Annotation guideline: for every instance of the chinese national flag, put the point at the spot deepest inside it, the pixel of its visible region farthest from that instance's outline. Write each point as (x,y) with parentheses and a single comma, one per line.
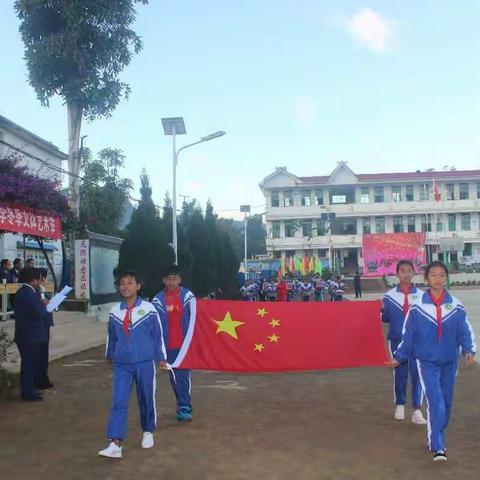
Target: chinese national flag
(268,337)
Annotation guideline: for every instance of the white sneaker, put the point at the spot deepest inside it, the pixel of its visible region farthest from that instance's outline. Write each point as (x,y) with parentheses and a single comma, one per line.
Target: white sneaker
(147,440)
(112,451)
(418,418)
(400,412)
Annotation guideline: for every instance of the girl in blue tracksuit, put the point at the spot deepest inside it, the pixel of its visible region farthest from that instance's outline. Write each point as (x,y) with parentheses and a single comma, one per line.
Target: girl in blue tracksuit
(396,303)
(435,331)
(134,345)
(176,306)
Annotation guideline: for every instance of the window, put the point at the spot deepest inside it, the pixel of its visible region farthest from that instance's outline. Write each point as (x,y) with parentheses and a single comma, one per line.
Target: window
(288,198)
(275,199)
(409,193)
(439,225)
(348,226)
(424,192)
(467,250)
(366,225)
(411,223)
(321,230)
(450,187)
(307,228)
(463,190)
(276,229)
(290,228)
(365,195)
(319,197)
(396,193)
(339,199)
(452,222)
(426,223)
(378,195)
(465,221)
(478,190)
(398,224)
(306,198)
(380,224)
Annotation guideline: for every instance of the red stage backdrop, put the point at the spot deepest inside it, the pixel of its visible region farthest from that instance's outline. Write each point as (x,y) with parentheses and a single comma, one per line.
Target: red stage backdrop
(15,218)
(382,252)
(272,337)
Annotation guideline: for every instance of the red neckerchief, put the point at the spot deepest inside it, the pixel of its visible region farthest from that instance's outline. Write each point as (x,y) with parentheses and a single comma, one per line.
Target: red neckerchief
(127,321)
(438,305)
(405,292)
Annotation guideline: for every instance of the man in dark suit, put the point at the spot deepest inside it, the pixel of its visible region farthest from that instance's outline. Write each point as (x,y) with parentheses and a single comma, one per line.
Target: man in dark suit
(5,267)
(17,268)
(30,332)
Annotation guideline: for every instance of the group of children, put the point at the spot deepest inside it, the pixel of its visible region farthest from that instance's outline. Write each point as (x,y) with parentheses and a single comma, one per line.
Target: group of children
(428,330)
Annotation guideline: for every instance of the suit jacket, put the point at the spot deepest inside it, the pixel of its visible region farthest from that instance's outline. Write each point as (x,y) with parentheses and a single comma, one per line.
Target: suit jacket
(30,317)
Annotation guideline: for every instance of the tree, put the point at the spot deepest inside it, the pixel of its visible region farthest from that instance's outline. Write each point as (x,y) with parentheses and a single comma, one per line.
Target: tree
(76,49)
(103,192)
(146,247)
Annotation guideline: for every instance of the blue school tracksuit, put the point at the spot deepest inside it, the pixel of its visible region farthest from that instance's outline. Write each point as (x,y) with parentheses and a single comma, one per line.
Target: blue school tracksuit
(393,315)
(437,358)
(134,356)
(180,378)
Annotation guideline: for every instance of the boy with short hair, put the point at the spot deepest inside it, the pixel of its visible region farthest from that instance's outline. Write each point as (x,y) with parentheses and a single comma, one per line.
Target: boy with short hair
(396,303)
(176,307)
(134,345)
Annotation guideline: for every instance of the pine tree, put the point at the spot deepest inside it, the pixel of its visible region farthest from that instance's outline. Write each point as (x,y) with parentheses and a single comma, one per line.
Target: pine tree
(146,247)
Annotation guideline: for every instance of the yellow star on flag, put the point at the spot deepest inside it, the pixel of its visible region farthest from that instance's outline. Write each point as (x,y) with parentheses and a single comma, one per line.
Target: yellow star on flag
(274,338)
(258,347)
(262,312)
(274,323)
(228,325)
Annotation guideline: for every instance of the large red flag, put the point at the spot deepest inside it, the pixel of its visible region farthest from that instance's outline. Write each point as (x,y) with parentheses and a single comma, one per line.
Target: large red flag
(267,337)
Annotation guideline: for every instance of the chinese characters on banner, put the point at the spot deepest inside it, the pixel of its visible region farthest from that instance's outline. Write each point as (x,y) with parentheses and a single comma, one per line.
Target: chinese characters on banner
(82,269)
(382,252)
(14,218)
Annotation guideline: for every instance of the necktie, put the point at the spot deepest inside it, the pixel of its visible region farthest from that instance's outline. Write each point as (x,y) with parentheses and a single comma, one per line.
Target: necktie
(406,305)
(127,321)
(438,305)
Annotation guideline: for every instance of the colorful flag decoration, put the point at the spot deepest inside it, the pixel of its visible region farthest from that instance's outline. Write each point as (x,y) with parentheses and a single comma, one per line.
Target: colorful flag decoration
(298,264)
(311,265)
(292,265)
(272,337)
(318,266)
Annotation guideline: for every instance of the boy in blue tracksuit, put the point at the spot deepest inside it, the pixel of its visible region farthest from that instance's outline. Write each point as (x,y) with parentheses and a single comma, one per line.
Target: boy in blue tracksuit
(435,331)
(134,345)
(176,306)
(396,303)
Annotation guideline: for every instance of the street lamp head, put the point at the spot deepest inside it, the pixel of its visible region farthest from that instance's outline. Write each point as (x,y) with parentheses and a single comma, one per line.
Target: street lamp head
(174,124)
(212,136)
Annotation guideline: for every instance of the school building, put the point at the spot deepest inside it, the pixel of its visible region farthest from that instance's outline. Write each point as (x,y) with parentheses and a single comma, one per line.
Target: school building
(327,216)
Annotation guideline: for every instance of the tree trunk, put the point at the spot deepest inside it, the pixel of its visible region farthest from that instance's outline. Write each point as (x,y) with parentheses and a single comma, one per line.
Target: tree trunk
(74,112)
(50,266)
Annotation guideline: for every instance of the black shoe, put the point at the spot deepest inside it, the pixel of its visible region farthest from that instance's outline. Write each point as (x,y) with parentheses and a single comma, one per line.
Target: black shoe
(46,386)
(35,398)
(440,456)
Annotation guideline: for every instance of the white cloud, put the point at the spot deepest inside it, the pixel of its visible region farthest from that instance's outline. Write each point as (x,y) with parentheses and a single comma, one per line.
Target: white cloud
(193,188)
(304,110)
(371,29)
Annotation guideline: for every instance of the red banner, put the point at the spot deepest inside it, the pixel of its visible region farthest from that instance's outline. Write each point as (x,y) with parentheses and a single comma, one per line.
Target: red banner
(30,222)
(267,337)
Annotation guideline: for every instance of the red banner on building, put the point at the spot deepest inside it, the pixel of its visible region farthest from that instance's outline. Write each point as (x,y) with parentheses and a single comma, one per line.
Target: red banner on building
(271,337)
(18,219)
(382,252)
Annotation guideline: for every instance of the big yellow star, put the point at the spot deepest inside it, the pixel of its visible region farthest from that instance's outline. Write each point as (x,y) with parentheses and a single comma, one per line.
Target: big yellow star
(274,323)
(228,325)
(274,338)
(258,347)
(262,312)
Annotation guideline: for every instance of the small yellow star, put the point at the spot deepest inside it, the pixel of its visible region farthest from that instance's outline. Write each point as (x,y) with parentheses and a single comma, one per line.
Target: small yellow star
(228,325)
(262,312)
(274,323)
(274,338)
(258,347)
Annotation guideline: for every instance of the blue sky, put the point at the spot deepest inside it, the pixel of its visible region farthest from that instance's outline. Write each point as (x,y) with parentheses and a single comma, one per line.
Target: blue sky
(384,85)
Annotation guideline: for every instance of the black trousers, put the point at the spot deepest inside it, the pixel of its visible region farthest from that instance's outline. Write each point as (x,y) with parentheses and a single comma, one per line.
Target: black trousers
(42,379)
(358,291)
(30,355)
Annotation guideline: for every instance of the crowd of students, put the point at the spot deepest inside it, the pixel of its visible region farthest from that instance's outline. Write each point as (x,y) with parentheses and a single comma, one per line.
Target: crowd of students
(292,289)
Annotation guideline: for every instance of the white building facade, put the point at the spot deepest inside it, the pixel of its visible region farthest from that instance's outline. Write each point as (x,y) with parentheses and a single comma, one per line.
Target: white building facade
(44,159)
(326,216)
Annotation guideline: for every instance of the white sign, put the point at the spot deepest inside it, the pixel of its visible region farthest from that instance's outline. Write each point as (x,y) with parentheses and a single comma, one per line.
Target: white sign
(82,269)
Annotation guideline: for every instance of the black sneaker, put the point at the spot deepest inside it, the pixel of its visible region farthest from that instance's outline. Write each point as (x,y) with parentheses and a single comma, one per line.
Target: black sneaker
(440,456)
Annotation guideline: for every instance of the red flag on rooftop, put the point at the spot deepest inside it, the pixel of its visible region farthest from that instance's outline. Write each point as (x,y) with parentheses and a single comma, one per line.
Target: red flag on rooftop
(269,337)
